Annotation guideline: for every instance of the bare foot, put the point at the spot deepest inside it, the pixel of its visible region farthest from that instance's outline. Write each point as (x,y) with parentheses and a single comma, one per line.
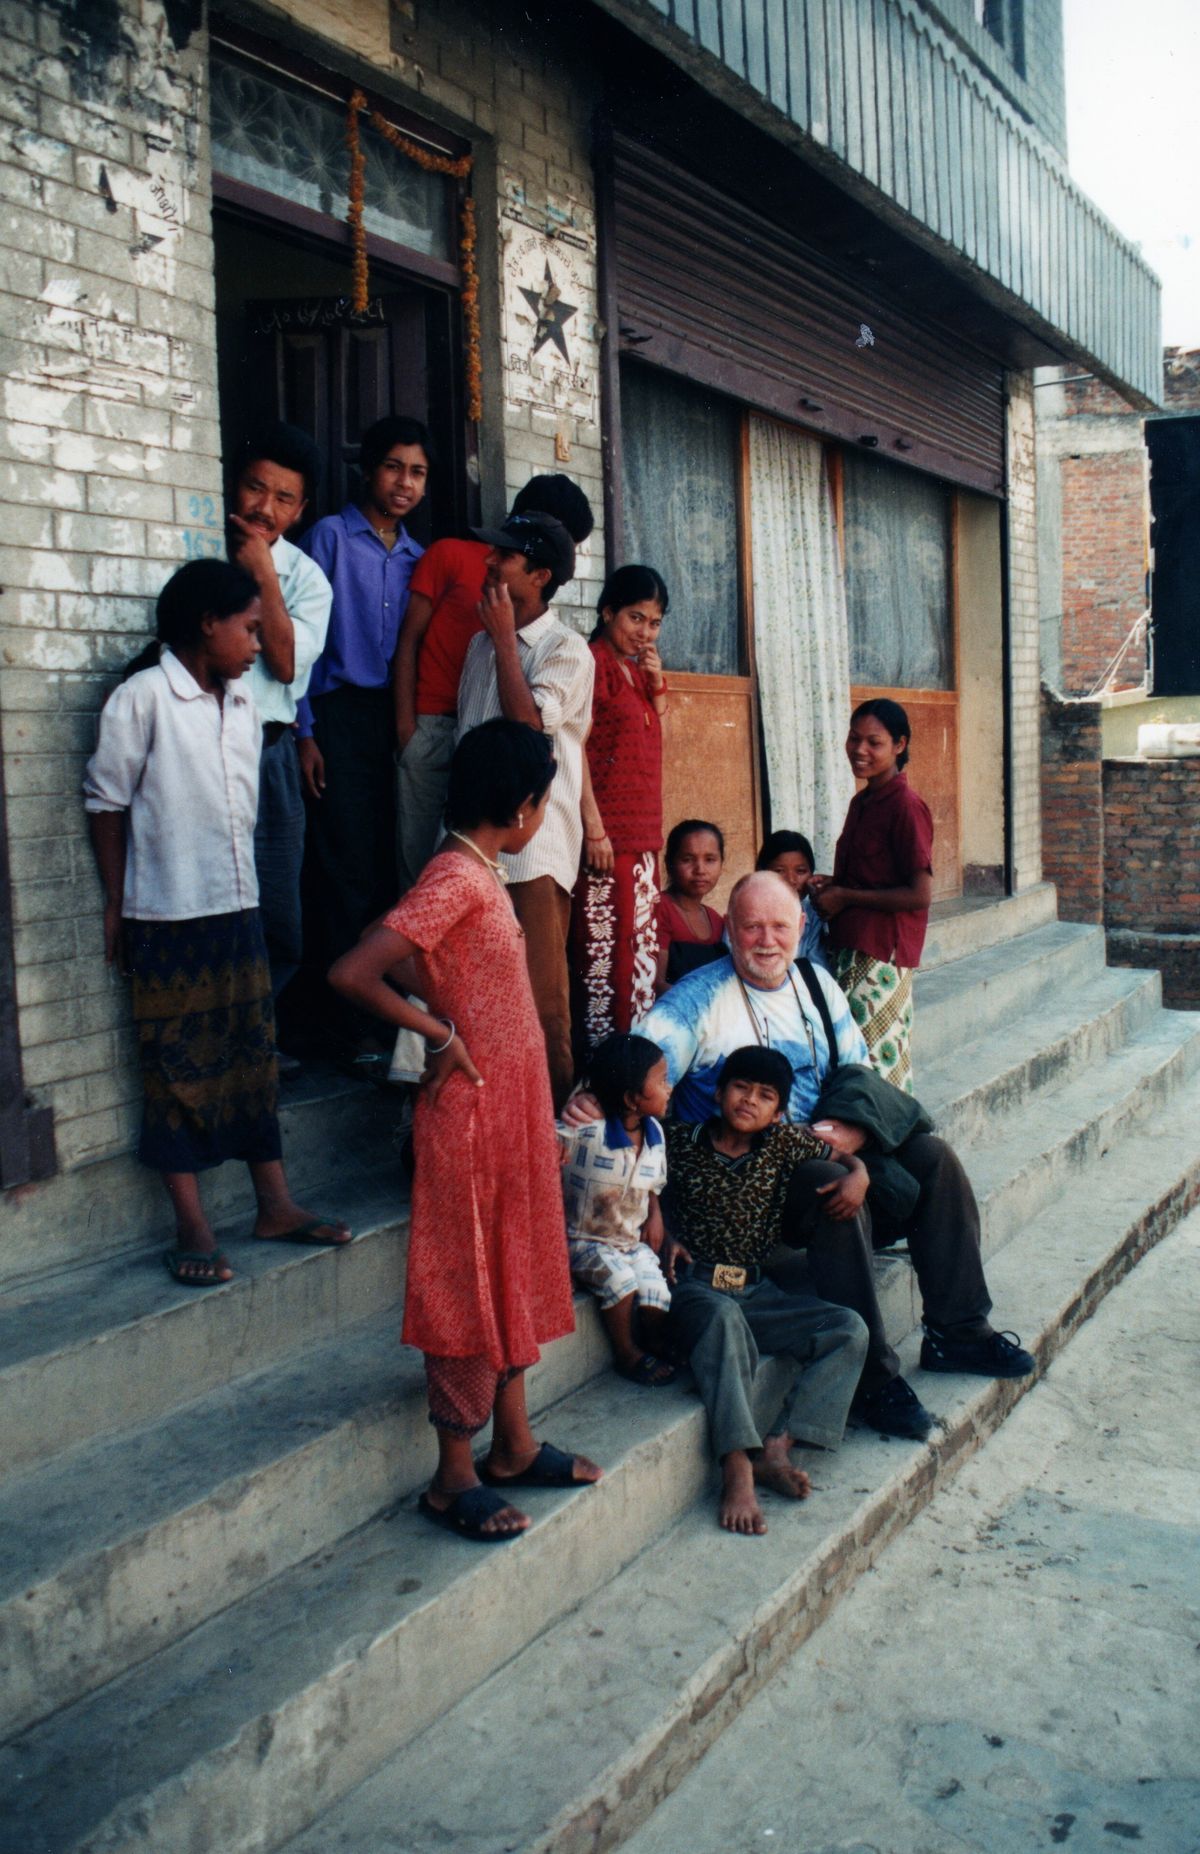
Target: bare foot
(739,1510)
(773,1469)
(290,1222)
(508,1520)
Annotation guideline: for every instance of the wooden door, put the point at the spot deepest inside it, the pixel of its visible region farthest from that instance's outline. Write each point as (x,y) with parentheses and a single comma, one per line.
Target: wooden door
(315,363)
(933,772)
(710,765)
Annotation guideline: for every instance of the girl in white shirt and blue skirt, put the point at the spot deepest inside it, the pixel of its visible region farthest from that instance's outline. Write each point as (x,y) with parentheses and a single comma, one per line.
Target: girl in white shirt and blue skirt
(172,796)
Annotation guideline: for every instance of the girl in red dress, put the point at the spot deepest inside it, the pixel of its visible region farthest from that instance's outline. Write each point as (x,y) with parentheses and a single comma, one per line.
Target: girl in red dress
(877,899)
(488,1281)
(613,942)
(690,933)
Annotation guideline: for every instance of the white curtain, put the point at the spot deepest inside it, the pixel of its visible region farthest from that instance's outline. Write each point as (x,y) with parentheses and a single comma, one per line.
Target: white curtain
(801,640)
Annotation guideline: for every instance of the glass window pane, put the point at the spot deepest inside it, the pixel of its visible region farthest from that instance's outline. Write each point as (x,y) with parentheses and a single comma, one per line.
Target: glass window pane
(680,447)
(291,141)
(897,525)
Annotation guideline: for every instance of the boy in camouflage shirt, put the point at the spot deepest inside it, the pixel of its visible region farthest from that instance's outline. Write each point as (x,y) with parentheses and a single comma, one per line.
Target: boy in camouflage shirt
(727,1181)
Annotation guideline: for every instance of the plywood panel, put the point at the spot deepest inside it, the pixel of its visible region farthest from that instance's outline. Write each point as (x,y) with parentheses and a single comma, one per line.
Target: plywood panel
(933,772)
(710,765)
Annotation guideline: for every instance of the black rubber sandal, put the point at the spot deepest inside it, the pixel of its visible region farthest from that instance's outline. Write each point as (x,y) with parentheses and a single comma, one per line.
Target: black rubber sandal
(467,1514)
(550,1467)
(650,1373)
(212,1260)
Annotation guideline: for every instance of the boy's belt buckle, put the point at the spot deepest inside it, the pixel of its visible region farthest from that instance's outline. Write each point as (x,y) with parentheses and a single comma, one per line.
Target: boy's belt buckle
(727,1278)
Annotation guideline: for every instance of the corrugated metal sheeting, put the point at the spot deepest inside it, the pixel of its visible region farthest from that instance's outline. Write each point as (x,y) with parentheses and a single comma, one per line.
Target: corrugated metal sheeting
(711,290)
(879,86)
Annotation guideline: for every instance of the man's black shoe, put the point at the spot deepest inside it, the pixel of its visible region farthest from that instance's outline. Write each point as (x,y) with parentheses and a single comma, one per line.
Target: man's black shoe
(896,1410)
(999,1355)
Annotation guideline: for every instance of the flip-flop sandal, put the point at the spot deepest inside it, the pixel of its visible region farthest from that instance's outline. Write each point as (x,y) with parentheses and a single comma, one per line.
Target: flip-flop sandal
(550,1467)
(650,1373)
(307,1233)
(467,1514)
(212,1259)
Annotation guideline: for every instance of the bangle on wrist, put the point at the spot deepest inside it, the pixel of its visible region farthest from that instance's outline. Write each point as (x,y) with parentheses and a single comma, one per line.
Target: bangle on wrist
(602,838)
(442,1047)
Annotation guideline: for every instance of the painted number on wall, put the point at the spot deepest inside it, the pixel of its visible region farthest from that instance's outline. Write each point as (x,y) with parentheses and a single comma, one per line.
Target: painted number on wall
(200,542)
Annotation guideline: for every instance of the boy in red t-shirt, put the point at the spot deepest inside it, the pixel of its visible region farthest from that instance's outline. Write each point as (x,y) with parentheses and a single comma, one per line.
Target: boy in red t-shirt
(442,618)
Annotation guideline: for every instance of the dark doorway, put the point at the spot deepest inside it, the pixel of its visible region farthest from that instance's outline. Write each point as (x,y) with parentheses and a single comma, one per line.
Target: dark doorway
(1174,446)
(290,346)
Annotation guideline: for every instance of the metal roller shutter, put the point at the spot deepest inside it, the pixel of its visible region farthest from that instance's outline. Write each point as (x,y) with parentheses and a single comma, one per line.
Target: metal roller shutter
(710,290)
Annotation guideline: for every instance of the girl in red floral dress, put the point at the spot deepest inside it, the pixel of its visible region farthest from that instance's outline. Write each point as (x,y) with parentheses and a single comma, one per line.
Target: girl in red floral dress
(488,1282)
(613,941)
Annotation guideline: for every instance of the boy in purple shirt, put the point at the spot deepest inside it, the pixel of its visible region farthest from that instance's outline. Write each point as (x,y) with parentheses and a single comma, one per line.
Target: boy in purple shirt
(347,726)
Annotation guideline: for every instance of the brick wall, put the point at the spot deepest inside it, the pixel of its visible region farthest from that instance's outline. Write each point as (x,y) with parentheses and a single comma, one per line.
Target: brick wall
(109,431)
(1152,871)
(1073,806)
(110,415)
(1024,667)
(1152,845)
(1104,508)
(1121,841)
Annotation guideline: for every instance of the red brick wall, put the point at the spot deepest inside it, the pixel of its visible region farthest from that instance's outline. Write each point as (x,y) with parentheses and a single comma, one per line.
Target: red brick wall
(1073,806)
(1152,845)
(1103,564)
(1152,871)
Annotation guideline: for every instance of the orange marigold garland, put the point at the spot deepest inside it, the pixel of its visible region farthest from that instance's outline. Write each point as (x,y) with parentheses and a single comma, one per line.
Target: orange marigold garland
(470,309)
(457,168)
(354,212)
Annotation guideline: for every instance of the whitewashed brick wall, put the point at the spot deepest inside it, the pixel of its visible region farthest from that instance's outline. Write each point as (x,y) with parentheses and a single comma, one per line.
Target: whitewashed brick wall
(108,436)
(110,467)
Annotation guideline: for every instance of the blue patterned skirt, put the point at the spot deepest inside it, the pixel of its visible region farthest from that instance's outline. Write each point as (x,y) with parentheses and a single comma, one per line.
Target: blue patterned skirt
(206,1037)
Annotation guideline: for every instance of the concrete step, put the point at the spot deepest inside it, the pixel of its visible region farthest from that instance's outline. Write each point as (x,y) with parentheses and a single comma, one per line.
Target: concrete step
(114,1206)
(572,1745)
(242,1729)
(340,1431)
(107,1346)
(237,1734)
(90,1350)
(118,1547)
(1042,1150)
(990,989)
(958,928)
(969,1089)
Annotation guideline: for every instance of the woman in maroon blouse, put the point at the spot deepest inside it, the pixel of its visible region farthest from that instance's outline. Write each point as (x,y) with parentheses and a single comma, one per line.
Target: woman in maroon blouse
(613,942)
(877,899)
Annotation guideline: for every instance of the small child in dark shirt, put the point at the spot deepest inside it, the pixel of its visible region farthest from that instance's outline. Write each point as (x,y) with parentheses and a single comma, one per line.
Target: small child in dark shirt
(728,1179)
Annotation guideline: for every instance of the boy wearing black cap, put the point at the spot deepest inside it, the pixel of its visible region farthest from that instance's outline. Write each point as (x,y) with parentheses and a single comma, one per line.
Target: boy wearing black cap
(529,667)
(728,1179)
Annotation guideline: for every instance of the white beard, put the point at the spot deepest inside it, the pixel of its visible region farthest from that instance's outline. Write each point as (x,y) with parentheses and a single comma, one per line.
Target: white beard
(769,969)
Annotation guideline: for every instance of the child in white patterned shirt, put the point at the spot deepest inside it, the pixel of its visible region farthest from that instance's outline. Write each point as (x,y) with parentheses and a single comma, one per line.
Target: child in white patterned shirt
(613,1173)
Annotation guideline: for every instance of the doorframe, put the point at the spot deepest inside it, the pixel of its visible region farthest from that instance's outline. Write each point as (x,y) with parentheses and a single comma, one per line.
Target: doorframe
(273,212)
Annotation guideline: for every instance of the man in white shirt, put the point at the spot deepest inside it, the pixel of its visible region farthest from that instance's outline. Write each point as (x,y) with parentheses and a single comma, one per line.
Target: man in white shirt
(275,481)
(529,667)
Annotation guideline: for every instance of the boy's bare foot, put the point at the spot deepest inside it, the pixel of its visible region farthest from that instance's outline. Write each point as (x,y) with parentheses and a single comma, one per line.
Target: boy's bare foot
(739,1510)
(502,1523)
(774,1469)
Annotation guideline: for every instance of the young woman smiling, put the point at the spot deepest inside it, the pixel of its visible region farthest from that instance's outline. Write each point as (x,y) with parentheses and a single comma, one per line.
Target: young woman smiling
(877,899)
(613,942)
